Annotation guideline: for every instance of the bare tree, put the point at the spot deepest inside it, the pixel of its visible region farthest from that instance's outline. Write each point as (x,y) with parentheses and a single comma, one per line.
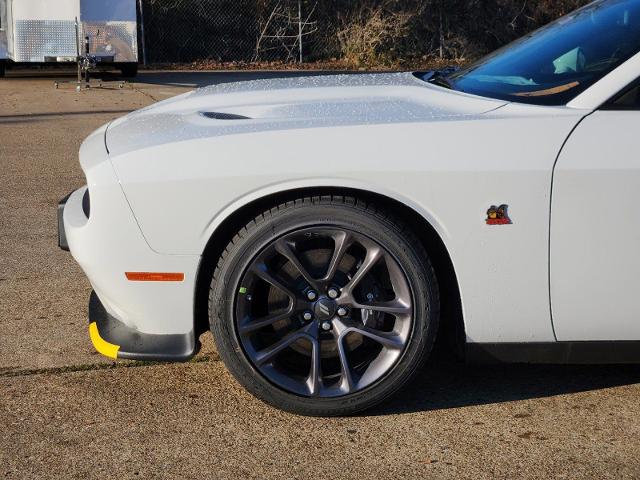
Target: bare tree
(285,29)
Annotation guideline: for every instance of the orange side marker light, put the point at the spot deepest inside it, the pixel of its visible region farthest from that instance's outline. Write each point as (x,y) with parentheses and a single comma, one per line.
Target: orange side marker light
(154,277)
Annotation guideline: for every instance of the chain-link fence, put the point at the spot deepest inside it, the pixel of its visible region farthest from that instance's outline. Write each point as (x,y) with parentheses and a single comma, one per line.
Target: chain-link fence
(360,32)
(230,31)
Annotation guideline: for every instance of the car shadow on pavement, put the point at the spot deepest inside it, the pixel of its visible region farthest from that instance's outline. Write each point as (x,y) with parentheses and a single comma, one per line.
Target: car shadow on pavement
(444,385)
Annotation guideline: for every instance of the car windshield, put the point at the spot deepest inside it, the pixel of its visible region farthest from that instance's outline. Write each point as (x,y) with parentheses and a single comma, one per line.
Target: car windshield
(551,66)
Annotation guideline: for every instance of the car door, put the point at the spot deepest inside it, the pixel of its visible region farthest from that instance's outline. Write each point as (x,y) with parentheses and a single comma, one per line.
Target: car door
(595,226)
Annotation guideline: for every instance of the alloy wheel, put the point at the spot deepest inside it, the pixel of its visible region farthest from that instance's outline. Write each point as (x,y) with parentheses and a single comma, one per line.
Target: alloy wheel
(324,311)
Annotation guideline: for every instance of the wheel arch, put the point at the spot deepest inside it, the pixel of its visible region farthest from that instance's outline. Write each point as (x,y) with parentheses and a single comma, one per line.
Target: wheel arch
(451,337)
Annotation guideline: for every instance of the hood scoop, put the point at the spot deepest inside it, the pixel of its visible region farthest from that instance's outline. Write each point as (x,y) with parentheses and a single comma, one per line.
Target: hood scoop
(224,116)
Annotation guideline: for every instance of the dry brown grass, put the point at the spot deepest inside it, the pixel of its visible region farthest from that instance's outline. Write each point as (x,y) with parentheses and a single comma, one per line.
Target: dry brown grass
(368,37)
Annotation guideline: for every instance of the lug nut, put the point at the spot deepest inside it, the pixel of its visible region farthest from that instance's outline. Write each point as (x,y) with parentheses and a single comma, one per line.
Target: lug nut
(307,316)
(342,311)
(311,295)
(326,326)
(333,292)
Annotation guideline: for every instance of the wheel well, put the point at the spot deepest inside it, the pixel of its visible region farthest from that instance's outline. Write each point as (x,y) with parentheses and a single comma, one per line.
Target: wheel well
(451,336)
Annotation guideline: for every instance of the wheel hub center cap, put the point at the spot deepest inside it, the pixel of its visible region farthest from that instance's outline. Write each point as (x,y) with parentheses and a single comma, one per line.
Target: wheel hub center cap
(325,308)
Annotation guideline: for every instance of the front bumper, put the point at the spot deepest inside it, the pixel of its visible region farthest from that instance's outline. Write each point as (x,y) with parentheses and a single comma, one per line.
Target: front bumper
(106,241)
(128,319)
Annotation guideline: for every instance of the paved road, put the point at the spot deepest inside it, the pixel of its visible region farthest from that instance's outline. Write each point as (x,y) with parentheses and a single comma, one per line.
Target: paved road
(67,412)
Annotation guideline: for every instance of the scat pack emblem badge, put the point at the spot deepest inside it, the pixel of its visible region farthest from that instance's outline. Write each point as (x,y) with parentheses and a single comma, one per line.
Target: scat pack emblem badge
(498,215)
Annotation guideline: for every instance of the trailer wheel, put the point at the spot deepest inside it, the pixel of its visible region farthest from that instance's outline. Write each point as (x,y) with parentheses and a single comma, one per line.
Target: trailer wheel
(129,70)
(3,68)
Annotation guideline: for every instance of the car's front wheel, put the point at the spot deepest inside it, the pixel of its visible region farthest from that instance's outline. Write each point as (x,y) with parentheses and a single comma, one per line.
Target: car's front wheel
(324,306)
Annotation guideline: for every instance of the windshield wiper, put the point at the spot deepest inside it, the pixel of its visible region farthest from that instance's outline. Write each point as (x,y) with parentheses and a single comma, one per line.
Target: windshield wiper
(442,82)
(440,77)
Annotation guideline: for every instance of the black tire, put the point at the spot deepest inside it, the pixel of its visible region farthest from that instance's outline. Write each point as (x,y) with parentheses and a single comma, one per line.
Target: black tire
(129,70)
(3,68)
(324,212)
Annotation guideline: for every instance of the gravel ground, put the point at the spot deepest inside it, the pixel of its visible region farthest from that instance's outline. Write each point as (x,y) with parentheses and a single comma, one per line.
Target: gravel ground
(66,412)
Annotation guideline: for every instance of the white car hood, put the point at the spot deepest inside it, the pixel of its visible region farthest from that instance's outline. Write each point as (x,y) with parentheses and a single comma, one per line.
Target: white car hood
(291,103)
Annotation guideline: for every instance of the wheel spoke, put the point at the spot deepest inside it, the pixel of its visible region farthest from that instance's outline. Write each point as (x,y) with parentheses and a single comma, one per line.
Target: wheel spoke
(398,281)
(374,254)
(314,380)
(386,339)
(342,243)
(394,307)
(266,355)
(251,325)
(262,271)
(286,250)
(346,383)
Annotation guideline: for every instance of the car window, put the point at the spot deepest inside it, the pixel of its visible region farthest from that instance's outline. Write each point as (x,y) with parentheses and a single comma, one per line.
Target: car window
(554,64)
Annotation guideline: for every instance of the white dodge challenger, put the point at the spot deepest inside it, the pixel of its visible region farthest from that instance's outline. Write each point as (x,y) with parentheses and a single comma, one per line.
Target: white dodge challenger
(327,229)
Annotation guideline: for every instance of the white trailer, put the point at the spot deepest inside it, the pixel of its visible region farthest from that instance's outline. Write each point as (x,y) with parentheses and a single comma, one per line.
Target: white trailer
(54,31)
